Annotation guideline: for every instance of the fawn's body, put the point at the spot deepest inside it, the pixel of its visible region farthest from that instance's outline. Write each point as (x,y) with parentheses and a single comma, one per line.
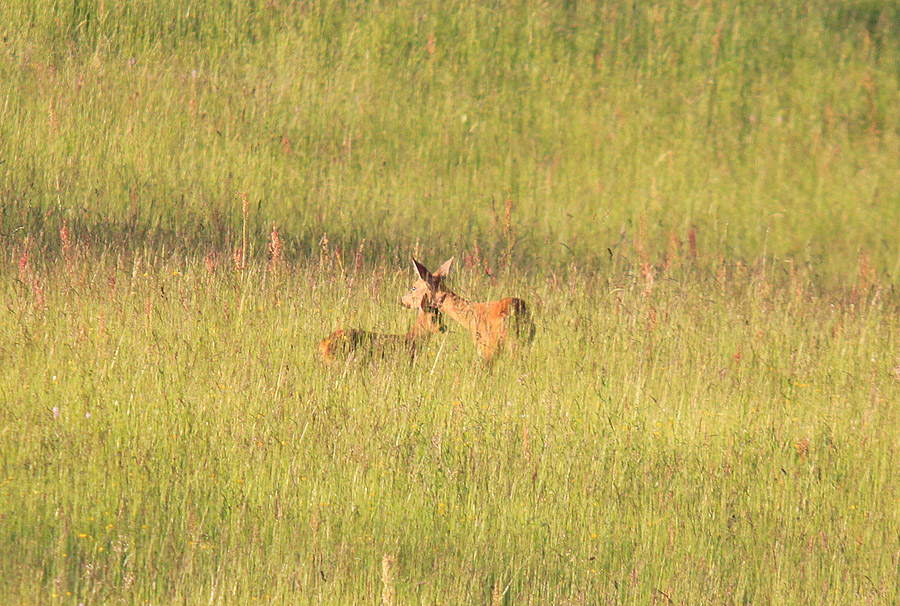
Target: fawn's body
(494,325)
(356,342)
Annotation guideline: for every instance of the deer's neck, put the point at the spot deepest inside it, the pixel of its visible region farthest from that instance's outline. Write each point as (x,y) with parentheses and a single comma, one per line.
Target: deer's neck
(457,308)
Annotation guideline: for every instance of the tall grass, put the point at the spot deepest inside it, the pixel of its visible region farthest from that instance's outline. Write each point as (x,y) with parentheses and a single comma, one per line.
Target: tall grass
(169,437)
(767,126)
(696,199)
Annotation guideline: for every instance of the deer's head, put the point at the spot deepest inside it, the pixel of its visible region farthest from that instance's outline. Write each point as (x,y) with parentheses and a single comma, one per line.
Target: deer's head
(426,291)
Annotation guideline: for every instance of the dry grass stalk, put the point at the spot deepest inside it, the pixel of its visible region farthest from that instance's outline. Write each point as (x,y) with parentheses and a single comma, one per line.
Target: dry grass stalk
(640,240)
(647,273)
(388,580)
(508,230)
(324,251)
(52,118)
(240,255)
(357,262)
(497,594)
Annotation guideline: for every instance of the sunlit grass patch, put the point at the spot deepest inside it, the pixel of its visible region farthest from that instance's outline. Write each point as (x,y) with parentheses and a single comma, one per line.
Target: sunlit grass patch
(697,201)
(185,425)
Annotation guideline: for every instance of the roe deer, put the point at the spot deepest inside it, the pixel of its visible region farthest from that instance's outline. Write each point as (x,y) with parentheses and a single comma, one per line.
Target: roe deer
(354,341)
(491,323)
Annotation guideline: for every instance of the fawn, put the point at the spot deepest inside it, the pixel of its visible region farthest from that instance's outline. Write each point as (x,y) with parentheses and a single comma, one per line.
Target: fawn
(354,341)
(491,323)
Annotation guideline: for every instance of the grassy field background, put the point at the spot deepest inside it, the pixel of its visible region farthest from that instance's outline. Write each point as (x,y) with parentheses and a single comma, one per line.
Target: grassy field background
(698,200)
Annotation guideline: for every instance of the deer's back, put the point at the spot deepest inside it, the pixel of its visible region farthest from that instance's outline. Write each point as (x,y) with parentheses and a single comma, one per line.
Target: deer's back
(499,321)
(353,341)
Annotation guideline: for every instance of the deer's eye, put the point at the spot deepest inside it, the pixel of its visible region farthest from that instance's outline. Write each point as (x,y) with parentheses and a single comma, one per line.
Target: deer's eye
(413,287)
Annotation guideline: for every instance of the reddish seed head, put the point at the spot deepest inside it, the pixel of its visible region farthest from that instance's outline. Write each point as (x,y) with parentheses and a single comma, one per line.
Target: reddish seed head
(275,246)
(64,237)
(23,264)
(238,256)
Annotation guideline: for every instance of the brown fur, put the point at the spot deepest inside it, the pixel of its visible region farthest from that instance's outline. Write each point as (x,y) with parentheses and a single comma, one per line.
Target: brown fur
(356,342)
(494,325)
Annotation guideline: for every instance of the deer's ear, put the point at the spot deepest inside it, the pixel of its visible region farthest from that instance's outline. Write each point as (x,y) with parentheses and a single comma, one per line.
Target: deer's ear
(420,269)
(444,269)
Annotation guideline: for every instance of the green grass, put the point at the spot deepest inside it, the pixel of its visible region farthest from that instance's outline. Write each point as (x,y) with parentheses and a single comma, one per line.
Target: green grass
(698,201)
(767,126)
(731,445)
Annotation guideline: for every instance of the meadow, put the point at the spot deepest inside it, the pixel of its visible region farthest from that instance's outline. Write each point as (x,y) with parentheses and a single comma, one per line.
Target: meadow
(698,200)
